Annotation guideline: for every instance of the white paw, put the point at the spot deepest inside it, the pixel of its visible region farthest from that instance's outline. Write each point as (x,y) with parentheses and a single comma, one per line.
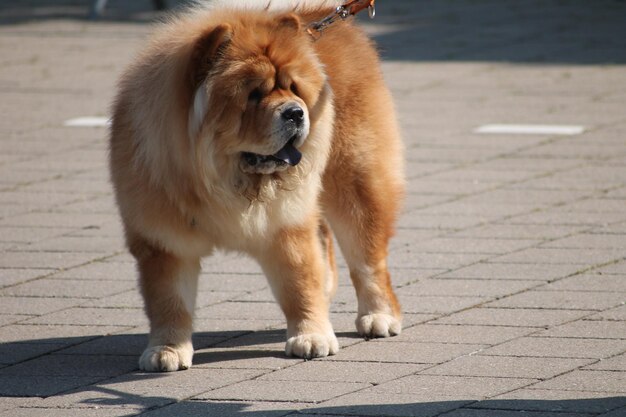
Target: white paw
(165,358)
(312,345)
(378,325)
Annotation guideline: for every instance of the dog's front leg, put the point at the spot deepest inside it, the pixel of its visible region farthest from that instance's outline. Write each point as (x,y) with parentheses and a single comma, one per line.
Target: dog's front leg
(169,286)
(294,265)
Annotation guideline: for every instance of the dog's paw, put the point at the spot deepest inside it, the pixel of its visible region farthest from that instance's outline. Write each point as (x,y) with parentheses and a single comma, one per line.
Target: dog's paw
(165,358)
(378,325)
(312,345)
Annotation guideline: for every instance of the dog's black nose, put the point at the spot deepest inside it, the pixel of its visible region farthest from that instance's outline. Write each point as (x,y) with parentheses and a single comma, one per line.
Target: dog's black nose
(295,114)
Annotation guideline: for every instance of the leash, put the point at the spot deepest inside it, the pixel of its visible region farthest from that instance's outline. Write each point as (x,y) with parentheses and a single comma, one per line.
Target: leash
(348,9)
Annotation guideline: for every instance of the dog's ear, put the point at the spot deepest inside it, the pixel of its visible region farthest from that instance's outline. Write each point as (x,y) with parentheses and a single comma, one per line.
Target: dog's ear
(290,21)
(206,49)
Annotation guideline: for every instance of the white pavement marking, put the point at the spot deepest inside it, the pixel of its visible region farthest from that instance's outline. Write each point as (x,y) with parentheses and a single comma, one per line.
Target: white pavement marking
(531,129)
(89,121)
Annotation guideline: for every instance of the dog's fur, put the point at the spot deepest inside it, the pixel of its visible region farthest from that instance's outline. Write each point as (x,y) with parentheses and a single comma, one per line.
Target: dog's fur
(213,84)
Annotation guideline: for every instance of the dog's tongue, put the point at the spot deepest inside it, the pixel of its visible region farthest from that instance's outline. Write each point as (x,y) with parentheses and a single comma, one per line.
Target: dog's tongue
(289,154)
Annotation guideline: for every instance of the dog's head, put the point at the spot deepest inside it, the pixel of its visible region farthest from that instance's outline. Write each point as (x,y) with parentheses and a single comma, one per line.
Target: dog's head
(256,89)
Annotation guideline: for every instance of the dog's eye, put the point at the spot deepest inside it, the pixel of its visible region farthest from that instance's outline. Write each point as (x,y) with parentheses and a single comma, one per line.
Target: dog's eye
(255,95)
(294,88)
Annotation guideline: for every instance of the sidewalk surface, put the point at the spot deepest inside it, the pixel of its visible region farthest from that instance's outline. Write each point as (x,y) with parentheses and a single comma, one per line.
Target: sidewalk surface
(509,261)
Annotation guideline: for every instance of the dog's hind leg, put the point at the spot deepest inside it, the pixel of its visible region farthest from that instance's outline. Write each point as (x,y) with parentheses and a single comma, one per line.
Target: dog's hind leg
(168,285)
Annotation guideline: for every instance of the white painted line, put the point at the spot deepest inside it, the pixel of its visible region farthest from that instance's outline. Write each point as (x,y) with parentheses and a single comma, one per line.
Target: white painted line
(89,121)
(531,129)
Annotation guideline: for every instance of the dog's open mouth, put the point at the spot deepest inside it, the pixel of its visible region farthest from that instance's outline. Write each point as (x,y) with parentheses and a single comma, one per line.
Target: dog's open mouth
(287,156)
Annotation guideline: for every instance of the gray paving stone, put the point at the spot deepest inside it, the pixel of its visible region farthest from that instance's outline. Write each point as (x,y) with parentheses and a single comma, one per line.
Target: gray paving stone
(32,306)
(506,367)
(54,333)
(227,409)
(554,401)
(68,288)
(562,256)
(468,412)
(45,260)
(374,373)
(436,304)
(617,313)
(47,412)
(368,403)
(558,347)
(467,287)
(42,386)
(436,387)
(598,381)
(403,352)
(467,334)
(299,391)
(589,282)
(93,316)
(616,363)
(588,329)
(526,317)
(514,271)
(73,366)
(575,300)
(101,271)
(11,353)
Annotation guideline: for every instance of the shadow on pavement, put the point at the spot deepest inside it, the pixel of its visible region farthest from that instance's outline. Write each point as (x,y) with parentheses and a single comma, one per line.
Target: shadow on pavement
(537,32)
(102,372)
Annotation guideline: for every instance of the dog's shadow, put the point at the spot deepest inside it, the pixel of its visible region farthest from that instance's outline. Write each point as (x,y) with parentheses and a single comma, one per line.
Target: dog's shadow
(47,367)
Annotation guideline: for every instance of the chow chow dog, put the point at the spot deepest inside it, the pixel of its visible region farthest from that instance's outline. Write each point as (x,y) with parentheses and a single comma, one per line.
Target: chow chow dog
(237,130)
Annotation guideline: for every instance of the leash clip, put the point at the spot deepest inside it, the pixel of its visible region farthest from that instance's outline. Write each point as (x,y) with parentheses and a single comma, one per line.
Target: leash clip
(350,8)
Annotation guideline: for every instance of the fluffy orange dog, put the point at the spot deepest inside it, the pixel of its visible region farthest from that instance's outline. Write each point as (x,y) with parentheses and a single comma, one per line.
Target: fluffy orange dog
(236,130)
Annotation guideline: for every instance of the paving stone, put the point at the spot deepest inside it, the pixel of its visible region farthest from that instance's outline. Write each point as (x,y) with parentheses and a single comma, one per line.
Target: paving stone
(514,231)
(514,271)
(404,352)
(73,366)
(616,363)
(589,282)
(562,256)
(47,412)
(588,329)
(226,409)
(68,288)
(437,304)
(598,381)
(467,334)
(101,271)
(435,387)
(553,401)
(368,403)
(54,333)
(617,313)
(11,353)
(467,287)
(526,317)
(42,386)
(241,310)
(93,316)
(506,367)
(45,260)
(506,413)
(575,300)
(374,373)
(300,391)
(34,306)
